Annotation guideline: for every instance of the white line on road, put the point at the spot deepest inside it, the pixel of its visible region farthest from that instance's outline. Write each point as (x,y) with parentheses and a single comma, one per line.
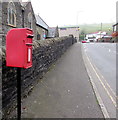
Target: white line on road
(102,106)
(107,84)
(113,101)
(96,70)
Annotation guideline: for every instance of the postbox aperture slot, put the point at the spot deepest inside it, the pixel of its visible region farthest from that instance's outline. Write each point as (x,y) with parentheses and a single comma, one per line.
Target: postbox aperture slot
(30,36)
(29,44)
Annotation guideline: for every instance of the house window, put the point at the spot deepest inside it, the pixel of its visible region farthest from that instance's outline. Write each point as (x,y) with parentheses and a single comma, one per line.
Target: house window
(38,36)
(11,14)
(30,20)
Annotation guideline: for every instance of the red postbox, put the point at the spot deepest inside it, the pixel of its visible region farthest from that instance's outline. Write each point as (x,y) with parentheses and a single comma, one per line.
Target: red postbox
(19,48)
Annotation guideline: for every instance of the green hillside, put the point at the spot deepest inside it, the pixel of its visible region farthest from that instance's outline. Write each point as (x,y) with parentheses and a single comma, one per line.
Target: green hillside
(89,28)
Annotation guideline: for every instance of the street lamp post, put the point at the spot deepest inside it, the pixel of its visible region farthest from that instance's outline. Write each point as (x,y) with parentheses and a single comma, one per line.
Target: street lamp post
(78,12)
(78,34)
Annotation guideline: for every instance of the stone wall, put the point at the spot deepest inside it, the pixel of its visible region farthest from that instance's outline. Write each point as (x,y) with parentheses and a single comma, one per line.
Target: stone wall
(45,53)
(0,59)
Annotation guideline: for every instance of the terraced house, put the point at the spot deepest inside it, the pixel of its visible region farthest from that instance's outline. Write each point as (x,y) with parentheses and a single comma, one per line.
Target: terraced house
(17,14)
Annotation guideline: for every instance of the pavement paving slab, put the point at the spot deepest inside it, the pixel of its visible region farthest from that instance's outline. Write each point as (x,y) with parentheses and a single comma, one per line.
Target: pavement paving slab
(64,92)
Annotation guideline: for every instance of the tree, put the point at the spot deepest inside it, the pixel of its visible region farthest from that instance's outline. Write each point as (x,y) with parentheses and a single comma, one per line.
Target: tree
(82,35)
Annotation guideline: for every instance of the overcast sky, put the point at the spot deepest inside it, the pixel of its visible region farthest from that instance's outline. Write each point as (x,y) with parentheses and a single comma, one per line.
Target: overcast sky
(73,12)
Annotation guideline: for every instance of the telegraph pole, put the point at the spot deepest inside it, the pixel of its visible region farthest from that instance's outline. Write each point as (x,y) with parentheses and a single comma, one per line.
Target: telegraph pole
(100,31)
(101,27)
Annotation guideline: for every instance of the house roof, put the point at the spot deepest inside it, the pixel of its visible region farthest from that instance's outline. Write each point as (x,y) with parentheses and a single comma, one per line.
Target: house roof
(98,33)
(40,22)
(69,27)
(94,33)
(115,24)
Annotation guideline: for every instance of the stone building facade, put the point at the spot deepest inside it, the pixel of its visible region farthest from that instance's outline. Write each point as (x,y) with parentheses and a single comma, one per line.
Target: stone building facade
(17,14)
(29,20)
(42,28)
(10,18)
(41,33)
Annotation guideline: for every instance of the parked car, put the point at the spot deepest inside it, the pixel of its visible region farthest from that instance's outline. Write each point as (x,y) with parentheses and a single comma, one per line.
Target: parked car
(83,41)
(91,40)
(88,41)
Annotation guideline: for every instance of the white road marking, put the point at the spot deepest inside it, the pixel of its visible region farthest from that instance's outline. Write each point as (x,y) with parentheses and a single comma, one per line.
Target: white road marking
(106,81)
(103,108)
(107,84)
(113,101)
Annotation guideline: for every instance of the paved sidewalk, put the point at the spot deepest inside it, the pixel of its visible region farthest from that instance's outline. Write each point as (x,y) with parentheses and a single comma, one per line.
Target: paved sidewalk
(64,92)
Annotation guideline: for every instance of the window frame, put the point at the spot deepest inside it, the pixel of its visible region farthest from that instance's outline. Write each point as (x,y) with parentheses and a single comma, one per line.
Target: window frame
(30,20)
(11,14)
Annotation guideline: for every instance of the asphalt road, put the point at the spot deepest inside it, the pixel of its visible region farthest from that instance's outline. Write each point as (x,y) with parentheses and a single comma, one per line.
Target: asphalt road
(103,55)
(64,92)
(102,60)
